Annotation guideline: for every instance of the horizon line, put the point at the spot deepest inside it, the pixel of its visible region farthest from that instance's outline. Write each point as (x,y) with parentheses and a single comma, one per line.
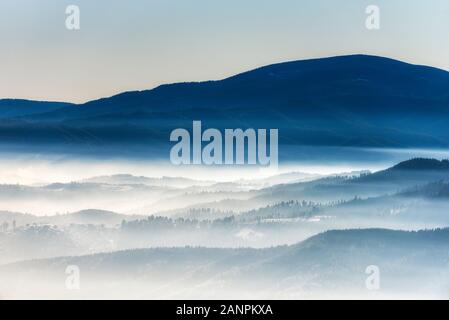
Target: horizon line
(222,79)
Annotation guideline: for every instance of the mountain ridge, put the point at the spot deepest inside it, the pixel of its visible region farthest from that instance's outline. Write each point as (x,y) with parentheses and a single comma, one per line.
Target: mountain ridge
(352,101)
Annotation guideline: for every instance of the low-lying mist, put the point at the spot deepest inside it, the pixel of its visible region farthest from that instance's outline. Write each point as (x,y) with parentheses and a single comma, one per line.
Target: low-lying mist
(156,231)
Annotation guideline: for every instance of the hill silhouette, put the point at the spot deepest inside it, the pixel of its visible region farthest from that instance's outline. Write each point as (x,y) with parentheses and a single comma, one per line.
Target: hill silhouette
(355,100)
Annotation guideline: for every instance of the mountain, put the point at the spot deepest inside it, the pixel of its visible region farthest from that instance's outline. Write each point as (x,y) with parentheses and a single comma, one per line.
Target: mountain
(400,177)
(434,190)
(90,216)
(10,108)
(355,100)
(414,171)
(329,264)
(87,217)
(422,164)
(127,179)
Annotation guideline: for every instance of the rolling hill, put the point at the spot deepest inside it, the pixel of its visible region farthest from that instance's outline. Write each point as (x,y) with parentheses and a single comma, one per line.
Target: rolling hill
(329,264)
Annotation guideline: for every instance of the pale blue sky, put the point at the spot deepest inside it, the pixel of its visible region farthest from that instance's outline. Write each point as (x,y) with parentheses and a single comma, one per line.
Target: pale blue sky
(137,44)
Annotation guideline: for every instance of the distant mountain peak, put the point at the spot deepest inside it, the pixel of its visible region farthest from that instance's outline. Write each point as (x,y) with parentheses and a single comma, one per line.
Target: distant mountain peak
(422,164)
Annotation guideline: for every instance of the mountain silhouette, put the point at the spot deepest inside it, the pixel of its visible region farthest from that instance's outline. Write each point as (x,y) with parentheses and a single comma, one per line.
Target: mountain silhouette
(333,262)
(415,171)
(17,107)
(422,164)
(355,100)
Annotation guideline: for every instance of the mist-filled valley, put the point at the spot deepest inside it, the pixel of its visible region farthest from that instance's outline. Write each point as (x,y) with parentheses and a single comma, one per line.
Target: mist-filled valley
(287,235)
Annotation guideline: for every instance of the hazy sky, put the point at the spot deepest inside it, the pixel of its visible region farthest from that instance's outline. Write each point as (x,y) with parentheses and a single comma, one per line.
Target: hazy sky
(137,44)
